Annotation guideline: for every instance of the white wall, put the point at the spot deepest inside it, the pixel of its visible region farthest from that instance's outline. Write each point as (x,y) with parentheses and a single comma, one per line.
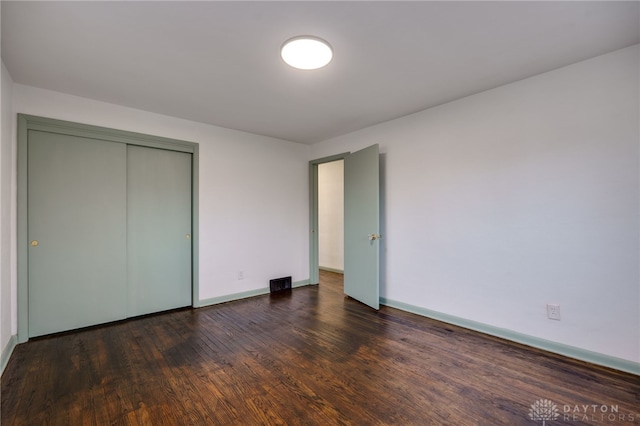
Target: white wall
(253,190)
(528,194)
(331,215)
(7,308)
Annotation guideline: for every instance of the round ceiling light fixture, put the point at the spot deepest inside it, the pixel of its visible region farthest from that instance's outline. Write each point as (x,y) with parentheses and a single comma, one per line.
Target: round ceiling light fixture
(306,52)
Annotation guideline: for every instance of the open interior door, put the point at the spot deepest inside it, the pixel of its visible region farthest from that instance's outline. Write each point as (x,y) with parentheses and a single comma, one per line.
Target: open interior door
(362,226)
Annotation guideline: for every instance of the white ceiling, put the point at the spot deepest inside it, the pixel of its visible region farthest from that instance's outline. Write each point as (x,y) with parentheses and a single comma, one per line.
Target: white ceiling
(218,62)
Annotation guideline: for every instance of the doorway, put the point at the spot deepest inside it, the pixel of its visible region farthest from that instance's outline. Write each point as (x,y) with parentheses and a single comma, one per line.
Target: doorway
(314,244)
(361,214)
(331,216)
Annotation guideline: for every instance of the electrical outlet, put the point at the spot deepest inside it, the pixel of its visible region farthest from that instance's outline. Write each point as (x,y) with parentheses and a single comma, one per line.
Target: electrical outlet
(553,312)
(241,275)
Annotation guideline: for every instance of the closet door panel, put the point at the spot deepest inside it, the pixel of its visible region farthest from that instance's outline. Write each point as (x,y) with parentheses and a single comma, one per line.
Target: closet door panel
(77,232)
(158,229)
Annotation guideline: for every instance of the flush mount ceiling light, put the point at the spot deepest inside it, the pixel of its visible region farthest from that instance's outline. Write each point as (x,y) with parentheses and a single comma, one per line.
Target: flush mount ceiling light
(306,52)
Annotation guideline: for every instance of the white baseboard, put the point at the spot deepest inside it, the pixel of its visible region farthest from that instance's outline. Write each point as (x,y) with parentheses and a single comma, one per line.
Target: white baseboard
(326,268)
(7,351)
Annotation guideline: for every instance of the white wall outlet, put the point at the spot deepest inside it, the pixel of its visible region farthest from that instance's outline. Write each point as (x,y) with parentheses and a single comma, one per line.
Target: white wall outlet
(241,275)
(553,312)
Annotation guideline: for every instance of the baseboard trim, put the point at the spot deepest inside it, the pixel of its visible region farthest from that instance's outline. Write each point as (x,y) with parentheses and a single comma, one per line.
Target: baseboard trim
(536,342)
(7,351)
(300,283)
(326,268)
(244,295)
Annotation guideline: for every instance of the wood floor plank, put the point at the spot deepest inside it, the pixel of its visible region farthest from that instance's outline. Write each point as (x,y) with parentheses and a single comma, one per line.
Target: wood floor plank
(310,356)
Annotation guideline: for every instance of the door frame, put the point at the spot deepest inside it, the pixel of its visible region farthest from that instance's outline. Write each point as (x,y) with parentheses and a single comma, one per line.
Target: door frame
(29,122)
(314,261)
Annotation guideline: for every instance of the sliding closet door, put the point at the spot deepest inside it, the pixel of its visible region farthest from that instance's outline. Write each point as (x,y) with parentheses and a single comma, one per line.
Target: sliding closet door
(159,229)
(77,232)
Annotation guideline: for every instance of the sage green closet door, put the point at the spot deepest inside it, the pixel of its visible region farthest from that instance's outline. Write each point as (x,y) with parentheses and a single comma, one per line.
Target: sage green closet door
(77,232)
(158,229)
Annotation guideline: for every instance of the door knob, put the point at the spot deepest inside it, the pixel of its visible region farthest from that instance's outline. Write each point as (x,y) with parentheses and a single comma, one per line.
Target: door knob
(34,243)
(374,237)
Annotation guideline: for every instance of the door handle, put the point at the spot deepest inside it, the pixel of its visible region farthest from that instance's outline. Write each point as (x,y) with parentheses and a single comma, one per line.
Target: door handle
(34,243)
(374,237)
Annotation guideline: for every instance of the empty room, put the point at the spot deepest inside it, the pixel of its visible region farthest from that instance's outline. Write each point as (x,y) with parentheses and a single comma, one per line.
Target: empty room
(320,212)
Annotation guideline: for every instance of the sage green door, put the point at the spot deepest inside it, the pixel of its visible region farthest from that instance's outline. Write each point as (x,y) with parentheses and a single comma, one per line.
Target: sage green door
(159,229)
(77,211)
(362,226)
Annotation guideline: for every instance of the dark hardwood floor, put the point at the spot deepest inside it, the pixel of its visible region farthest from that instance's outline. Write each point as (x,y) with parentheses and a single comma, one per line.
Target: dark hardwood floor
(308,357)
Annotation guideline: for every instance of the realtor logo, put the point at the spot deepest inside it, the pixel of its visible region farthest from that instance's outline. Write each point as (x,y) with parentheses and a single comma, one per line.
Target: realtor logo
(543,409)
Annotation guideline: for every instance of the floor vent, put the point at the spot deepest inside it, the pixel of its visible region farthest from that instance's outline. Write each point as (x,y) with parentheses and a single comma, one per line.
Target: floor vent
(280,284)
